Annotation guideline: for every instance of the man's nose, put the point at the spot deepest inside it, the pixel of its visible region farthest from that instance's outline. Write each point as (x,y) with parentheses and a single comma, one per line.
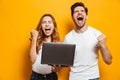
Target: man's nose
(79,13)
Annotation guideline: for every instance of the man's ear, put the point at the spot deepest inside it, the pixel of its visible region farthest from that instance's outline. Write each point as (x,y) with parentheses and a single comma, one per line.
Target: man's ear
(87,17)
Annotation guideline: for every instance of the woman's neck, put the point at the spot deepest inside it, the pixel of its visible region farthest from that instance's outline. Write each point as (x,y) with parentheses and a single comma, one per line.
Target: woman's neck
(48,39)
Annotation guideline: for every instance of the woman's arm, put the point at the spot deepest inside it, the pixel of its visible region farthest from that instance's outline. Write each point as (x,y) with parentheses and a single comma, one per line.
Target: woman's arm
(33,53)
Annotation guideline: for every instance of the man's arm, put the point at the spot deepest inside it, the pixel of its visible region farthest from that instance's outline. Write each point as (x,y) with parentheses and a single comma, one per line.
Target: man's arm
(107,57)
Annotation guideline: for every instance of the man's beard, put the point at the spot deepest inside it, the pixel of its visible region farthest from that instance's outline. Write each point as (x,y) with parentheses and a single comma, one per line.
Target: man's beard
(79,26)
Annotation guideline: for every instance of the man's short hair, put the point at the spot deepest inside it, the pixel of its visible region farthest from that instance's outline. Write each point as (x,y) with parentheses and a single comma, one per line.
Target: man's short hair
(76,5)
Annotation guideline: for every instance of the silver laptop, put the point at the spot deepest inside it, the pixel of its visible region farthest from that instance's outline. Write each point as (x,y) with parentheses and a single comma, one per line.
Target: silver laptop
(58,54)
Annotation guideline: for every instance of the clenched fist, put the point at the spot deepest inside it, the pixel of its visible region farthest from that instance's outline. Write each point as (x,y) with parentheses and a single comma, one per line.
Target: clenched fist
(34,34)
(102,40)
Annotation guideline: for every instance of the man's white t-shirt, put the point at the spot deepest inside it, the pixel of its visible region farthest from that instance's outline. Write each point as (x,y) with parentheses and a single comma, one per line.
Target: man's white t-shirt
(86,58)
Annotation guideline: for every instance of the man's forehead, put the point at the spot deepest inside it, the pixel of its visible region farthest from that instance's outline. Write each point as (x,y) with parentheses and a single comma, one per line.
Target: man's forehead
(79,8)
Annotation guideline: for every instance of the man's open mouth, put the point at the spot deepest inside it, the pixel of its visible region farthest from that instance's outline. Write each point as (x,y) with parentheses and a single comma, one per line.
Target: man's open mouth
(80,18)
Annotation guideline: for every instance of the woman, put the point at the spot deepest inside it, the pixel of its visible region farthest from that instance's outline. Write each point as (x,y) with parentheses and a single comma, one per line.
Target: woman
(46,32)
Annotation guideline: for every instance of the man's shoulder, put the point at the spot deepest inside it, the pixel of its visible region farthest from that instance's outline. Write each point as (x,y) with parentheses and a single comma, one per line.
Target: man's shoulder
(93,28)
(69,36)
(95,31)
(70,33)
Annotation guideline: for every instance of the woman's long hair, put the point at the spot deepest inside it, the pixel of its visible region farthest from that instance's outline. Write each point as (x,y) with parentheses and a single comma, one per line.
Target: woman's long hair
(41,35)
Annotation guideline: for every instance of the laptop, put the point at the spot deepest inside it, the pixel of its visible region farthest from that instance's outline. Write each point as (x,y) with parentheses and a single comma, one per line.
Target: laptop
(58,54)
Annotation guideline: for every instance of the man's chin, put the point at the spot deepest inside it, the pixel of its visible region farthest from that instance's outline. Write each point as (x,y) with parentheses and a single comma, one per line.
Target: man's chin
(80,26)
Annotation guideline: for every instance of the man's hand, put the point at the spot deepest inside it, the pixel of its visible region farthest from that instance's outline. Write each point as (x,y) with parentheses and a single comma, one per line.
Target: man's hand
(102,40)
(56,68)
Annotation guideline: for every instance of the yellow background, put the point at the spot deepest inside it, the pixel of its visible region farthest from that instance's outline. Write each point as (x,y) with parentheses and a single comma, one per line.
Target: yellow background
(18,17)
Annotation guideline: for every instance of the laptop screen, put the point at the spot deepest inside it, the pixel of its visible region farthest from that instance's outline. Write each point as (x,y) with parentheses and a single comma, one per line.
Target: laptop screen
(58,54)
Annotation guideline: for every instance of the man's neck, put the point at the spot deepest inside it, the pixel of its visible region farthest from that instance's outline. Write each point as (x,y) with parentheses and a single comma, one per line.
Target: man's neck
(81,30)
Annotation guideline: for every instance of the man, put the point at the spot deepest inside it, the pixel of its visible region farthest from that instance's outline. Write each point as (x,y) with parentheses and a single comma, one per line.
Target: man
(88,41)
